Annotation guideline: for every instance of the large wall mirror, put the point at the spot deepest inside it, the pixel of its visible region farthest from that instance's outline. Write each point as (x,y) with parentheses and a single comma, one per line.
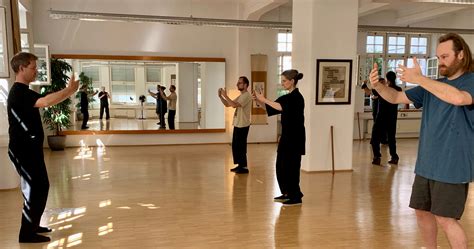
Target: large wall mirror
(127,78)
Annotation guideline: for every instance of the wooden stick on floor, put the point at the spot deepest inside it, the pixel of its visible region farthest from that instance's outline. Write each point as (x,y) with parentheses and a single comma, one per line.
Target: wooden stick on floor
(358,125)
(332,148)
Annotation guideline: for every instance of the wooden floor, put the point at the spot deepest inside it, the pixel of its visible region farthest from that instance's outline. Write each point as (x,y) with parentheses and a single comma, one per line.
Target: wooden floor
(113,124)
(185,197)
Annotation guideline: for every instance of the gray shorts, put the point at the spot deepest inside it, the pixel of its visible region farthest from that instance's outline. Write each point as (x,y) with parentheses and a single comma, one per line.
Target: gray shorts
(439,198)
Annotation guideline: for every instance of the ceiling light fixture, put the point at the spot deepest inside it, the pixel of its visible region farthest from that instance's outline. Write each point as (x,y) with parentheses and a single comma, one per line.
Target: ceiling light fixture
(175,20)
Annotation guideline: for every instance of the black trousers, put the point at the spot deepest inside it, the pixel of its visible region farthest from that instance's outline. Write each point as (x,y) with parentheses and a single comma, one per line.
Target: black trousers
(171,115)
(106,108)
(85,118)
(239,145)
(30,165)
(288,166)
(162,119)
(379,130)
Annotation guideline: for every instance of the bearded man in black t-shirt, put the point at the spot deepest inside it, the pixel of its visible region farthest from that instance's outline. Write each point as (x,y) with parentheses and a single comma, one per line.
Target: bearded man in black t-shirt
(26,142)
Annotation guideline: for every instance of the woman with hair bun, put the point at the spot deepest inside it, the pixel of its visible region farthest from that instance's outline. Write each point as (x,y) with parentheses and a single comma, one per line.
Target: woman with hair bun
(292,141)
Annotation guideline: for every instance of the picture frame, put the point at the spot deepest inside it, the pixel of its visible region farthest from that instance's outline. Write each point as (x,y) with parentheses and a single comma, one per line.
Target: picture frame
(333,81)
(4,64)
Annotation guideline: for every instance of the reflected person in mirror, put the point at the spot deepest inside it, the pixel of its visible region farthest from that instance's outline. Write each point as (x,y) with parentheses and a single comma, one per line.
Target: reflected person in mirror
(25,147)
(85,95)
(161,106)
(445,163)
(293,137)
(242,105)
(104,103)
(172,99)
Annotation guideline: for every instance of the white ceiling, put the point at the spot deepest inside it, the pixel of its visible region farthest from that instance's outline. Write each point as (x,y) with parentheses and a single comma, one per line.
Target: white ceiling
(404,12)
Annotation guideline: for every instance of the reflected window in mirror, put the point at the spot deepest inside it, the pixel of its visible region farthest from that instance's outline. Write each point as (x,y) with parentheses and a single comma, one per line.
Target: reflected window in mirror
(197,105)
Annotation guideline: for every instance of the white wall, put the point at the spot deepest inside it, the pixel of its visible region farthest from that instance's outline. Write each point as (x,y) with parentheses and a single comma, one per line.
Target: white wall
(70,36)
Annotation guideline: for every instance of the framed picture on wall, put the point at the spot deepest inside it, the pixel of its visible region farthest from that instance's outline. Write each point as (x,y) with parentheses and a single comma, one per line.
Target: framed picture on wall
(4,68)
(333,82)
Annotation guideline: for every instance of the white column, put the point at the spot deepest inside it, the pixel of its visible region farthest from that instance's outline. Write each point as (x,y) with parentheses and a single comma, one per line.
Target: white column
(325,29)
(187,92)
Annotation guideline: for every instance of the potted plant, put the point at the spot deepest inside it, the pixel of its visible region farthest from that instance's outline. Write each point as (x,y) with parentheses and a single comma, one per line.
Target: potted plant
(85,80)
(57,117)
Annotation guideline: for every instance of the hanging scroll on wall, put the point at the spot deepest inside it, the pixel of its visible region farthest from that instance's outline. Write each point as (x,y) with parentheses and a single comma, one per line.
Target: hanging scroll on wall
(258,64)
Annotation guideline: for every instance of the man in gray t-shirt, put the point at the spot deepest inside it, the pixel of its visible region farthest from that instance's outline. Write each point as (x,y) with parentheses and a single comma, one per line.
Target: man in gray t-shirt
(445,162)
(243,106)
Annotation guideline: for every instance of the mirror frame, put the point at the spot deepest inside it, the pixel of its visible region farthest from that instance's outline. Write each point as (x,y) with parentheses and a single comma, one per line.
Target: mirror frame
(138,58)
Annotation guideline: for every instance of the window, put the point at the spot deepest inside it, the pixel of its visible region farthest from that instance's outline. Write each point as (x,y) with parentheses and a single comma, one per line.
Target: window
(422,63)
(93,72)
(396,44)
(399,49)
(153,74)
(374,44)
(419,45)
(392,65)
(284,63)
(123,84)
(25,44)
(284,42)
(432,68)
(123,93)
(123,73)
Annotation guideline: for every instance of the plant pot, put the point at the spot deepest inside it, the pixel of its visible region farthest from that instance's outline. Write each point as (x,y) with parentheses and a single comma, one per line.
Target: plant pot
(57,142)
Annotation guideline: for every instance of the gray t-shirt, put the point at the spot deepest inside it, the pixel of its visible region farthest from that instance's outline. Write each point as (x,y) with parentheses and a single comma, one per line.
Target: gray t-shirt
(446,145)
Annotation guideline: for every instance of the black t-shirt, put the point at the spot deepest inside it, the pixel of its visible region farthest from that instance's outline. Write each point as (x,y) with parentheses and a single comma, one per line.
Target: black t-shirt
(25,128)
(386,110)
(104,101)
(293,135)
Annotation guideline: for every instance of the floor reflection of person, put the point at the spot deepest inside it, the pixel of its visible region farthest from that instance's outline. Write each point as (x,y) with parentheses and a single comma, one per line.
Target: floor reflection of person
(25,147)
(292,141)
(287,227)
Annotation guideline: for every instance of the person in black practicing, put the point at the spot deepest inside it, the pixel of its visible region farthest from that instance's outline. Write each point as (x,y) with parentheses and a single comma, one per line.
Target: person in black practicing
(161,105)
(25,147)
(386,125)
(104,103)
(292,142)
(85,105)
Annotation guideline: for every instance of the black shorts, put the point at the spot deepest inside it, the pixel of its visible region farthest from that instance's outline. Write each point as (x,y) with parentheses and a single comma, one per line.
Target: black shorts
(439,198)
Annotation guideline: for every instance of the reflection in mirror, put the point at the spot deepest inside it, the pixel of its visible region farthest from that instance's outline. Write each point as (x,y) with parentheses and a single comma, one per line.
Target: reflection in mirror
(134,100)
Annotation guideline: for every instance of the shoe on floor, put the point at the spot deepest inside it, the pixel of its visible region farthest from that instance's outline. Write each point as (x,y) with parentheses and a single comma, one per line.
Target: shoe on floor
(84,127)
(292,202)
(281,198)
(393,161)
(44,230)
(376,161)
(234,169)
(242,170)
(33,238)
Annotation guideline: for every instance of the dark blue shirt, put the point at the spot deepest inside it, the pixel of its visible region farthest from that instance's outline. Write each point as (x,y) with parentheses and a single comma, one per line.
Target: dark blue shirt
(446,146)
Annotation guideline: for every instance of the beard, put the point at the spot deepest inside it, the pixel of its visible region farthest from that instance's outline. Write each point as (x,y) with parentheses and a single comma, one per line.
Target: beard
(451,70)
